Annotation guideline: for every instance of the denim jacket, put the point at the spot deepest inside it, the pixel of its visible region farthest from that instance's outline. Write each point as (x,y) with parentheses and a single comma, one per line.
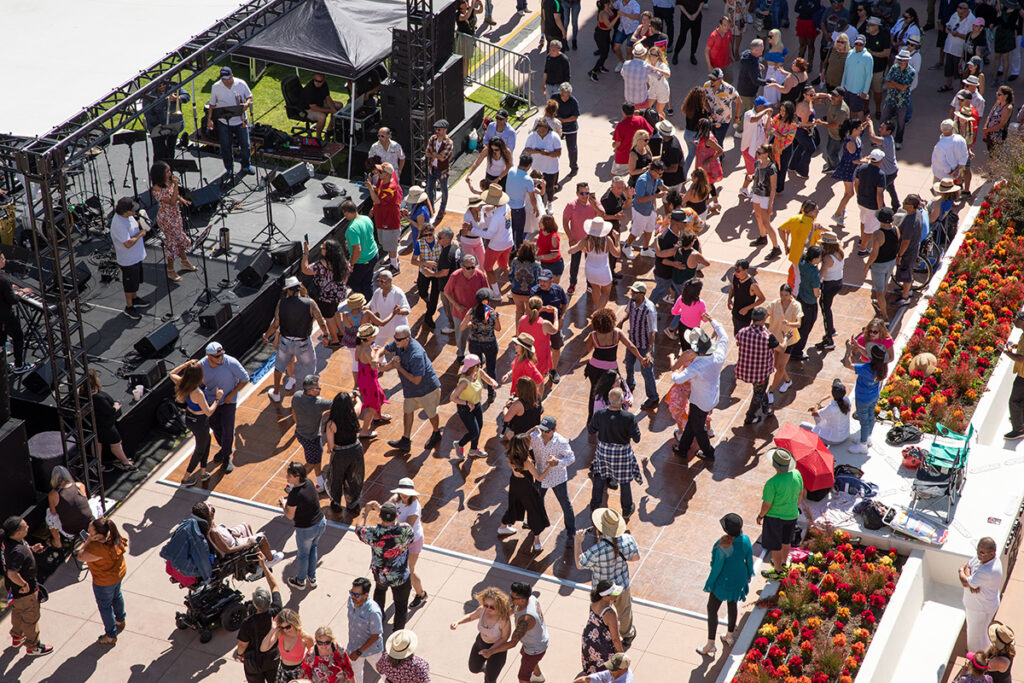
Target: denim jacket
(188,551)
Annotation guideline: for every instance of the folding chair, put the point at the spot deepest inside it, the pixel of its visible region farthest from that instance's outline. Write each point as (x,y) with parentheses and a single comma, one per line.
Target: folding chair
(941,477)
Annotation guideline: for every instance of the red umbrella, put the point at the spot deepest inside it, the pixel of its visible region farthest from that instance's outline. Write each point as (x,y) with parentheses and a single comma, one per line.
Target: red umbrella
(813,458)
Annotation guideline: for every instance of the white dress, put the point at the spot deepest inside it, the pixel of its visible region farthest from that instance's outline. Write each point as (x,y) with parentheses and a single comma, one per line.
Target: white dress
(597,268)
(657,84)
(532,226)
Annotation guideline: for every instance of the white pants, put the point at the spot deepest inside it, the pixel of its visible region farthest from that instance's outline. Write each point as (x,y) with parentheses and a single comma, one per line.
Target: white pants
(1015,60)
(365,668)
(978,622)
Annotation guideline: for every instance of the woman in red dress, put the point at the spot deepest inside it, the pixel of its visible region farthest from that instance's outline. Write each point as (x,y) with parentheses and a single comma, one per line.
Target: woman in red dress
(168,217)
(540,329)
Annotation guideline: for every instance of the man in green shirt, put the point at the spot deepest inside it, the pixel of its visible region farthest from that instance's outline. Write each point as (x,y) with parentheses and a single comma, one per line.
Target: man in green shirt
(780,507)
(362,248)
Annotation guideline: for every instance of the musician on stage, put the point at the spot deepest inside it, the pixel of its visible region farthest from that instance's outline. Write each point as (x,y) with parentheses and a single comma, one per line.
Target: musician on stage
(165,121)
(168,217)
(10,326)
(127,236)
(317,95)
(229,92)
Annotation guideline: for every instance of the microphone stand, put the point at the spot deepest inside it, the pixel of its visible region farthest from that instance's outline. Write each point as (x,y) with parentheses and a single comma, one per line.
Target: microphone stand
(167,317)
(224,246)
(199,245)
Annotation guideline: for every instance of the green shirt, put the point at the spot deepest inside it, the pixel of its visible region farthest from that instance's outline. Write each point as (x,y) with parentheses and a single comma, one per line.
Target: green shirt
(783,492)
(360,231)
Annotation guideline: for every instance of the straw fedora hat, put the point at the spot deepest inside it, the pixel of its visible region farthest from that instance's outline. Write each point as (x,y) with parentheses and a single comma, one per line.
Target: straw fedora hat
(367,330)
(415,195)
(402,644)
(357,300)
(925,363)
(829,237)
(782,459)
(945,185)
(494,196)
(1000,634)
(609,522)
(406,488)
(524,339)
(597,227)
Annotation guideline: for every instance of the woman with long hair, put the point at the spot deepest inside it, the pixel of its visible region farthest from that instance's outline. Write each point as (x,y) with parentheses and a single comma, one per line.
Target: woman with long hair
(695,107)
(833,261)
(105,414)
(698,192)
(596,247)
(732,567)
(524,363)
(540,329)
(68,512)
(369,359)
(330,272)
(708,157)
(905,28)
(782,130)
(687,311)
(834,64)
(164,187)
(602,347)
(658,89)
(850,131)
(468,399)
(327,661)
(606,19)
(549,251)
(804,144)
(784,316)
(601,638)
(499,162)
(832,421)
(483,323)
(875,333)
(640,156)
(292,643)
(493,617)
(523,410)
(104,552)
(870,376)
(524,498)
(998,120)
(524,272)
(346,468)
(188,380)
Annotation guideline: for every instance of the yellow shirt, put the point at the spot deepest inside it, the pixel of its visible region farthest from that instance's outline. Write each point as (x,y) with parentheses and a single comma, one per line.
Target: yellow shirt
(799,228)
(1018,367)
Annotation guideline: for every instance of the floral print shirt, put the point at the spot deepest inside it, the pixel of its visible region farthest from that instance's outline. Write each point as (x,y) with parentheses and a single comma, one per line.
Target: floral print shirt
(390,547)
(722,100)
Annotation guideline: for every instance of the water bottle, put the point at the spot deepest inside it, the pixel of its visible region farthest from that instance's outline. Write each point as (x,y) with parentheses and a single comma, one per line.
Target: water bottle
(474,139)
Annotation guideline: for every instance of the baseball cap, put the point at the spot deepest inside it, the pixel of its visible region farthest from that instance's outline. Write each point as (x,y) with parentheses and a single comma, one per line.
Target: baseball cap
(885,215)
(213,348)
(716,74)
(502,114)
(876,155)
(875,21)
(760,101)
(548,424)
(226,72)
(545,274)
(638,287)
(838,91)
(859,40)
(388,512)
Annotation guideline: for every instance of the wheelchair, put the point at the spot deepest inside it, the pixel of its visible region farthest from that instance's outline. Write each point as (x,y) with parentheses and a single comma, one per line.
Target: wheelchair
(217,603)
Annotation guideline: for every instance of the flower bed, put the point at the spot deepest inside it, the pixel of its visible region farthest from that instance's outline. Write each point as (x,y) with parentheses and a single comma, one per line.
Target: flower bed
(819,625)
(967,319)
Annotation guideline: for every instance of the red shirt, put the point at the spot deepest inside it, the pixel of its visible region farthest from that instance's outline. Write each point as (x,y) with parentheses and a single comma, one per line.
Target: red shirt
(720,49)
(624,131)
(463,290)
(547,247)
(387,214)
(576,212)
(525,368)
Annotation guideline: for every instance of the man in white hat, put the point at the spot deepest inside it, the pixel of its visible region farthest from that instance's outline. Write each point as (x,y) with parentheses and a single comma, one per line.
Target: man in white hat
(898,84)
(634,77)
(950,154)
(400,662)
(389,300)
(293,319)
(224,372)
(554,454)
(780,507)
(869,184)
(971,84)
(616,670)
(608,559)
(643,327)
(703,373)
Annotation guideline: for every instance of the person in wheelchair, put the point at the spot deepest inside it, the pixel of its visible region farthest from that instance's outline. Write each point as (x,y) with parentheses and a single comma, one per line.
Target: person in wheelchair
(225,540)
(68,513)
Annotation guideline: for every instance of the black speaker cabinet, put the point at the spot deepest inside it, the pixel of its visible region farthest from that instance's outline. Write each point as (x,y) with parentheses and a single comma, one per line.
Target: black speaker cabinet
(148,374)
(40,379)
(332,212)
(255,273)
(448,99)
(214,316)
(292,180)
(17,486)
(158,342)
(287,255)
(82,273)
(204,198)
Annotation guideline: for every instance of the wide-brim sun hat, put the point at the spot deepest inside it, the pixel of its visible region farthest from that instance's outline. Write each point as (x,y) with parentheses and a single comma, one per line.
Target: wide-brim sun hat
(524,339)
(945,185)
(1000,634)
(357,300)
(597,227)
(494,196)
(401,644)
(367,330)
(415,195)
(609,522)
(406,488)
(698,340)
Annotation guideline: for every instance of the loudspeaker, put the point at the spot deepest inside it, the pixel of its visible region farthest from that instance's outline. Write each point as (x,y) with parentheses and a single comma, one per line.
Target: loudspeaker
(214,316)
(82,273)
(204,197)
(40,379)
(255,273)
(332,212)
(17,486)
(448,99)
(287,255)
(148,374)
(158,342)
(292,180)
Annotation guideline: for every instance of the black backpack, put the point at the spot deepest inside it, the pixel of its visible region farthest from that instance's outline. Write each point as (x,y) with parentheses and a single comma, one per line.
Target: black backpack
(169,420)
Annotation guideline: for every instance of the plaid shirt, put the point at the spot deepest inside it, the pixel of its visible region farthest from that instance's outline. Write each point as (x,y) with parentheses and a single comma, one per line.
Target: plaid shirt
(634,76)
(756,358)
(604,559)
(442,147)
(616,461)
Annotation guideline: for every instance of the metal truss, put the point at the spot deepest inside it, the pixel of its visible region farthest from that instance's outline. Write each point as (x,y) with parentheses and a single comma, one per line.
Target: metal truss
(422,45)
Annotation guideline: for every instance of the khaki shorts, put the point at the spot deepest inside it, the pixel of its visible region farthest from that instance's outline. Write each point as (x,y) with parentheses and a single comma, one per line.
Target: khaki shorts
(427,404)
(878,82)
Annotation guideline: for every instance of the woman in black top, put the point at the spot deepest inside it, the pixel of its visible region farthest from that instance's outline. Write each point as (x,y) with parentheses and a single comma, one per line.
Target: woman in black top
(522,412)
(524,496)
(346,470)
(302,506)
(105,411)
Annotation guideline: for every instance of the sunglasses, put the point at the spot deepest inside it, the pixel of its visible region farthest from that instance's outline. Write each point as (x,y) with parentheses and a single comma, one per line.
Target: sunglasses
(469,267)
(285,627)
(489,606)
(356,594)
(325,643)
(398,339)
(218,355)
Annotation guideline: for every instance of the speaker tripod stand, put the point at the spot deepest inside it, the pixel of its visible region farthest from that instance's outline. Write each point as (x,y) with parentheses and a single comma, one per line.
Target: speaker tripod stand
(270,230)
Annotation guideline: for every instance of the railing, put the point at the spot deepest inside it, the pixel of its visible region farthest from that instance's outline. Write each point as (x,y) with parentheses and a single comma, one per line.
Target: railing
(495,68)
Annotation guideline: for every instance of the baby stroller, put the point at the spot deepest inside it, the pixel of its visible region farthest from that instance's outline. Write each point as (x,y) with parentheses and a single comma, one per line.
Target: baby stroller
(211,600)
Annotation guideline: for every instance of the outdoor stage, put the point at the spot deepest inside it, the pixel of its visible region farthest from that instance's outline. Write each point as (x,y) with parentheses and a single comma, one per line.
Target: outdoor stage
(110,336)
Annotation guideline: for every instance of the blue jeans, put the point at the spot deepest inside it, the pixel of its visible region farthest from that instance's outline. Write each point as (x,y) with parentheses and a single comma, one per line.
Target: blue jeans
(650,385)
(865,414)
(625,495)
(571,11)
(306,540)
(222,422)
(435,179)
(225,136)
(473,419)
(779,12)
(562,496)
(662,286)
(111,604)
(690,138)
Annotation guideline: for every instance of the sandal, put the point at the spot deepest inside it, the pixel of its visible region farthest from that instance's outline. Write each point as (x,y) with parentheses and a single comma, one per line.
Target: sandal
(382,420)
(704,652)
(172,276)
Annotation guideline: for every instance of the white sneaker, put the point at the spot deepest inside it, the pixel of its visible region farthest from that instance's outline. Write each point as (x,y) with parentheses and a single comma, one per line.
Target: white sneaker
(838,219)
(448,330)
(648,252)
(497,291)
(859,448)
(771,398)
(618,67)
(745,191)
(737,133)
(274,396)
(538,546)
(276,557)
(627,252)
(786,385)
(290,384)
(505,530)
(537,679)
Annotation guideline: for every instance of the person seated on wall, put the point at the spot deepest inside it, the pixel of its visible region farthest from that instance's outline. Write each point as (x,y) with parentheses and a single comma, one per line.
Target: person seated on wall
(227,540)
(317,95)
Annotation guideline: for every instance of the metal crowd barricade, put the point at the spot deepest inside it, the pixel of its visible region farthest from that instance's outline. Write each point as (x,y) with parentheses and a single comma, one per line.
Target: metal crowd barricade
(496,68)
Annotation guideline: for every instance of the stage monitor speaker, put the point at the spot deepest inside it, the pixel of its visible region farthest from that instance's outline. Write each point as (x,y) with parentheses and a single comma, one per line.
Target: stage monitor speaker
(82,273)
(40,379)
(214,316)
(287,255)
(204,198)
(292,180)
(158,342)
(17,485)
(148,374)
(332,212)
(255,273)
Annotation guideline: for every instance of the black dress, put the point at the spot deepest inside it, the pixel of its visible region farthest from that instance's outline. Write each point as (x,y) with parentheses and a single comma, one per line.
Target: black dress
(525,501)
(106,418)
